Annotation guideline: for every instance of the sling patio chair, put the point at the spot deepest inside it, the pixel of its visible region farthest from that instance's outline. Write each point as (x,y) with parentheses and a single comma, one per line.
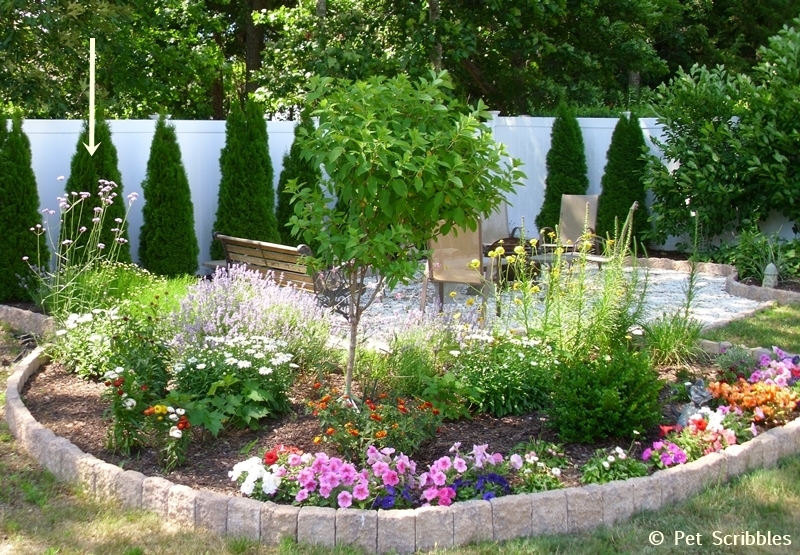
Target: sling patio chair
(577,223)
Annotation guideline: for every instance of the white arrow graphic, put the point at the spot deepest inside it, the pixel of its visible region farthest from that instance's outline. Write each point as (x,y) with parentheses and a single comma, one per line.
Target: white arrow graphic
(91,147)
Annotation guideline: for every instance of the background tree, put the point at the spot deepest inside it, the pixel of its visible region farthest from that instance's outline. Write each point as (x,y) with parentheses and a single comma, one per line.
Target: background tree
(85,173)
(167,242)
(300,169)
(622,183)
(407,163)
(566,167)
(19,212)
(246,201)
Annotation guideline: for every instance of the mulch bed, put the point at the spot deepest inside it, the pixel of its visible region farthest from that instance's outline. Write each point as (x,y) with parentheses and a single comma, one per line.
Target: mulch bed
(73,408)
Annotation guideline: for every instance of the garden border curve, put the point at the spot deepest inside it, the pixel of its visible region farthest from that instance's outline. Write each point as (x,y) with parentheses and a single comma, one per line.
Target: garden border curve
(404,531)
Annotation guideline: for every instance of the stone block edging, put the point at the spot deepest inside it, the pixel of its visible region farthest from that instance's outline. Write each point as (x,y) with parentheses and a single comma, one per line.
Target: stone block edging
(757,293)
(404,531)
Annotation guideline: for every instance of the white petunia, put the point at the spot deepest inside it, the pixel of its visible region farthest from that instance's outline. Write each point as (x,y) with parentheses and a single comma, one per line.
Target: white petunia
(180,412)
(173,417)
(270,483)
(175,432)
(606,465)
(129,403)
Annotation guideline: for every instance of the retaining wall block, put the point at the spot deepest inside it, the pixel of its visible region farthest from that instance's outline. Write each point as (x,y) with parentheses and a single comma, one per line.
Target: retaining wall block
(69,463)
(396,531)
(244,518)
(31,433)
(85,467)
(753,452)
(710,347)
(472,522)
(11,410)
(31,364)
(52,455)
(511,516)
(672,486)
(769,448)
(357,528)
(317,526)
(155,495)
(181,505)
(278,522)
(105,480)
(434,528)
(617,501)
(736,460)
(211,512)
(549,512)
(646,494)
(786,444)
(584,508)
(128,486)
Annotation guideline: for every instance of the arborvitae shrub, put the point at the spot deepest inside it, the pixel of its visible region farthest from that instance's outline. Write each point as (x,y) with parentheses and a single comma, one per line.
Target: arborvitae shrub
(19,212)
(167,242)
(294,167)
(246,199)
(566,167)
(622,180)
(85,173)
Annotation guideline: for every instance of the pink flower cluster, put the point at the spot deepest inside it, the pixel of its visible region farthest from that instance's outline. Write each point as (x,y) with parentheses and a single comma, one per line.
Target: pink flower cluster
(782,372)
(323,475)
(447,470)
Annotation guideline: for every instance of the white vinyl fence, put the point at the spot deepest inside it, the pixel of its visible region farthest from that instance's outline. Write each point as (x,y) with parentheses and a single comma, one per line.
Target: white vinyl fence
(53,143)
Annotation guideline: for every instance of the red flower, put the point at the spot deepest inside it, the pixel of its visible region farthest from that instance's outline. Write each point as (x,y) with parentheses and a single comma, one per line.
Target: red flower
(144,387)
(664,430)
(270,457)
(317,385)
(118,382)
(375,417)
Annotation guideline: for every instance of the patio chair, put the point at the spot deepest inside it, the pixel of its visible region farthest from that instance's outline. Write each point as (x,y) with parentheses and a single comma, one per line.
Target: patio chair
(449,262)
(578,214)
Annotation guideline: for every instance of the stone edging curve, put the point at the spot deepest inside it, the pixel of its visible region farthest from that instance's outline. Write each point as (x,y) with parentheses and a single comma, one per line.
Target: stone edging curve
(404,531)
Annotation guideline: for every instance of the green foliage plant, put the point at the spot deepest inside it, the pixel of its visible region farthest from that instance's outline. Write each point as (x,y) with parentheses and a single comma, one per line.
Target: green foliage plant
(86,274)
(84,181)
(753,250)
(246,201)
(406,162)
(383,422)
(566,167)
(735,363)
(541,464)
(605,466)
(296,167)
(622,181)
(19,214)
(510,374)
(610,396)
(167,241)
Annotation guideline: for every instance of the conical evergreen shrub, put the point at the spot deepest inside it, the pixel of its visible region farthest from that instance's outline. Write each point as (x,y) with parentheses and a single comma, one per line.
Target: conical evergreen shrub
(294,167)
(622,180)
(167,242)
(85,173)
(3,129)
(19,212)
(566,167)
(246,199)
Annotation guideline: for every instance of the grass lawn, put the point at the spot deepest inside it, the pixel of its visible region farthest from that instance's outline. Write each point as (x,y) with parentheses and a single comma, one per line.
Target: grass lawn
(779,326)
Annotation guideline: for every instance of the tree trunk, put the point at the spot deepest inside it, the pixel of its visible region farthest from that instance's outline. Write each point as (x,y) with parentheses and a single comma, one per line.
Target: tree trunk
(436,55)
(254,44)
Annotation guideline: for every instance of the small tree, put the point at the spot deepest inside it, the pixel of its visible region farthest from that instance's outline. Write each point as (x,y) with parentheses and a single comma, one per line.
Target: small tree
(19,212)
(246,197)
(566,167)
(407,163)
(300,169)
(622,181)
(167,242)
(86,171)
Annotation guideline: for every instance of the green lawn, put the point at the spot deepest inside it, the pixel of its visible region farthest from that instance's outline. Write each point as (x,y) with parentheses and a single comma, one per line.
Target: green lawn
(779,326)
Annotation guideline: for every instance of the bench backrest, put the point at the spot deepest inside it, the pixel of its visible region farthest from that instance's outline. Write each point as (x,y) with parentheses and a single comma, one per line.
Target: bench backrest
(283,261)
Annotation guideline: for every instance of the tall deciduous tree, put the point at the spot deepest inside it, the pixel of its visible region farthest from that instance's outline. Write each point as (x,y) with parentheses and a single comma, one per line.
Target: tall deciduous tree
(300,169)
(566,167)
(85,174)
(622,181)
(167,241)
(19,214)
(407,163)
(246,199)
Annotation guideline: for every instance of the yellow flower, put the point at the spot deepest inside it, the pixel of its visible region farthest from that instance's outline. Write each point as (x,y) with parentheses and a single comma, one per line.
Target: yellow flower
(500,250)
(516,286)
(317,439)
(517,301)
(519,249)
(511,259)
(534,289)
(533,242)
(470,301)
(569,241)
(552,235)
(453,294)
(475,264)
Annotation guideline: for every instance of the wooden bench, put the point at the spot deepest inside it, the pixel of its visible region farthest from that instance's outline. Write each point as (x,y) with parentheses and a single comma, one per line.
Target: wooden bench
(284,263)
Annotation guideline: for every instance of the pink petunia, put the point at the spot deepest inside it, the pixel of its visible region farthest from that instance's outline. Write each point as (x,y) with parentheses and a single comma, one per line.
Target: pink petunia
(516,461)
(361,491)
(460,465)
(345,499)
(301,496)
(438,477)
(390,478)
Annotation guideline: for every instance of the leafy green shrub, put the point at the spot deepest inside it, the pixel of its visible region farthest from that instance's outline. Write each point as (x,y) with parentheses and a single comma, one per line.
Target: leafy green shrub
(236,379)
(510,374)
(246,202)
(610,396)
(299,168)
(753,250)
(86,172)
(622,181)
(19,215)
(566,167)
(167,242)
